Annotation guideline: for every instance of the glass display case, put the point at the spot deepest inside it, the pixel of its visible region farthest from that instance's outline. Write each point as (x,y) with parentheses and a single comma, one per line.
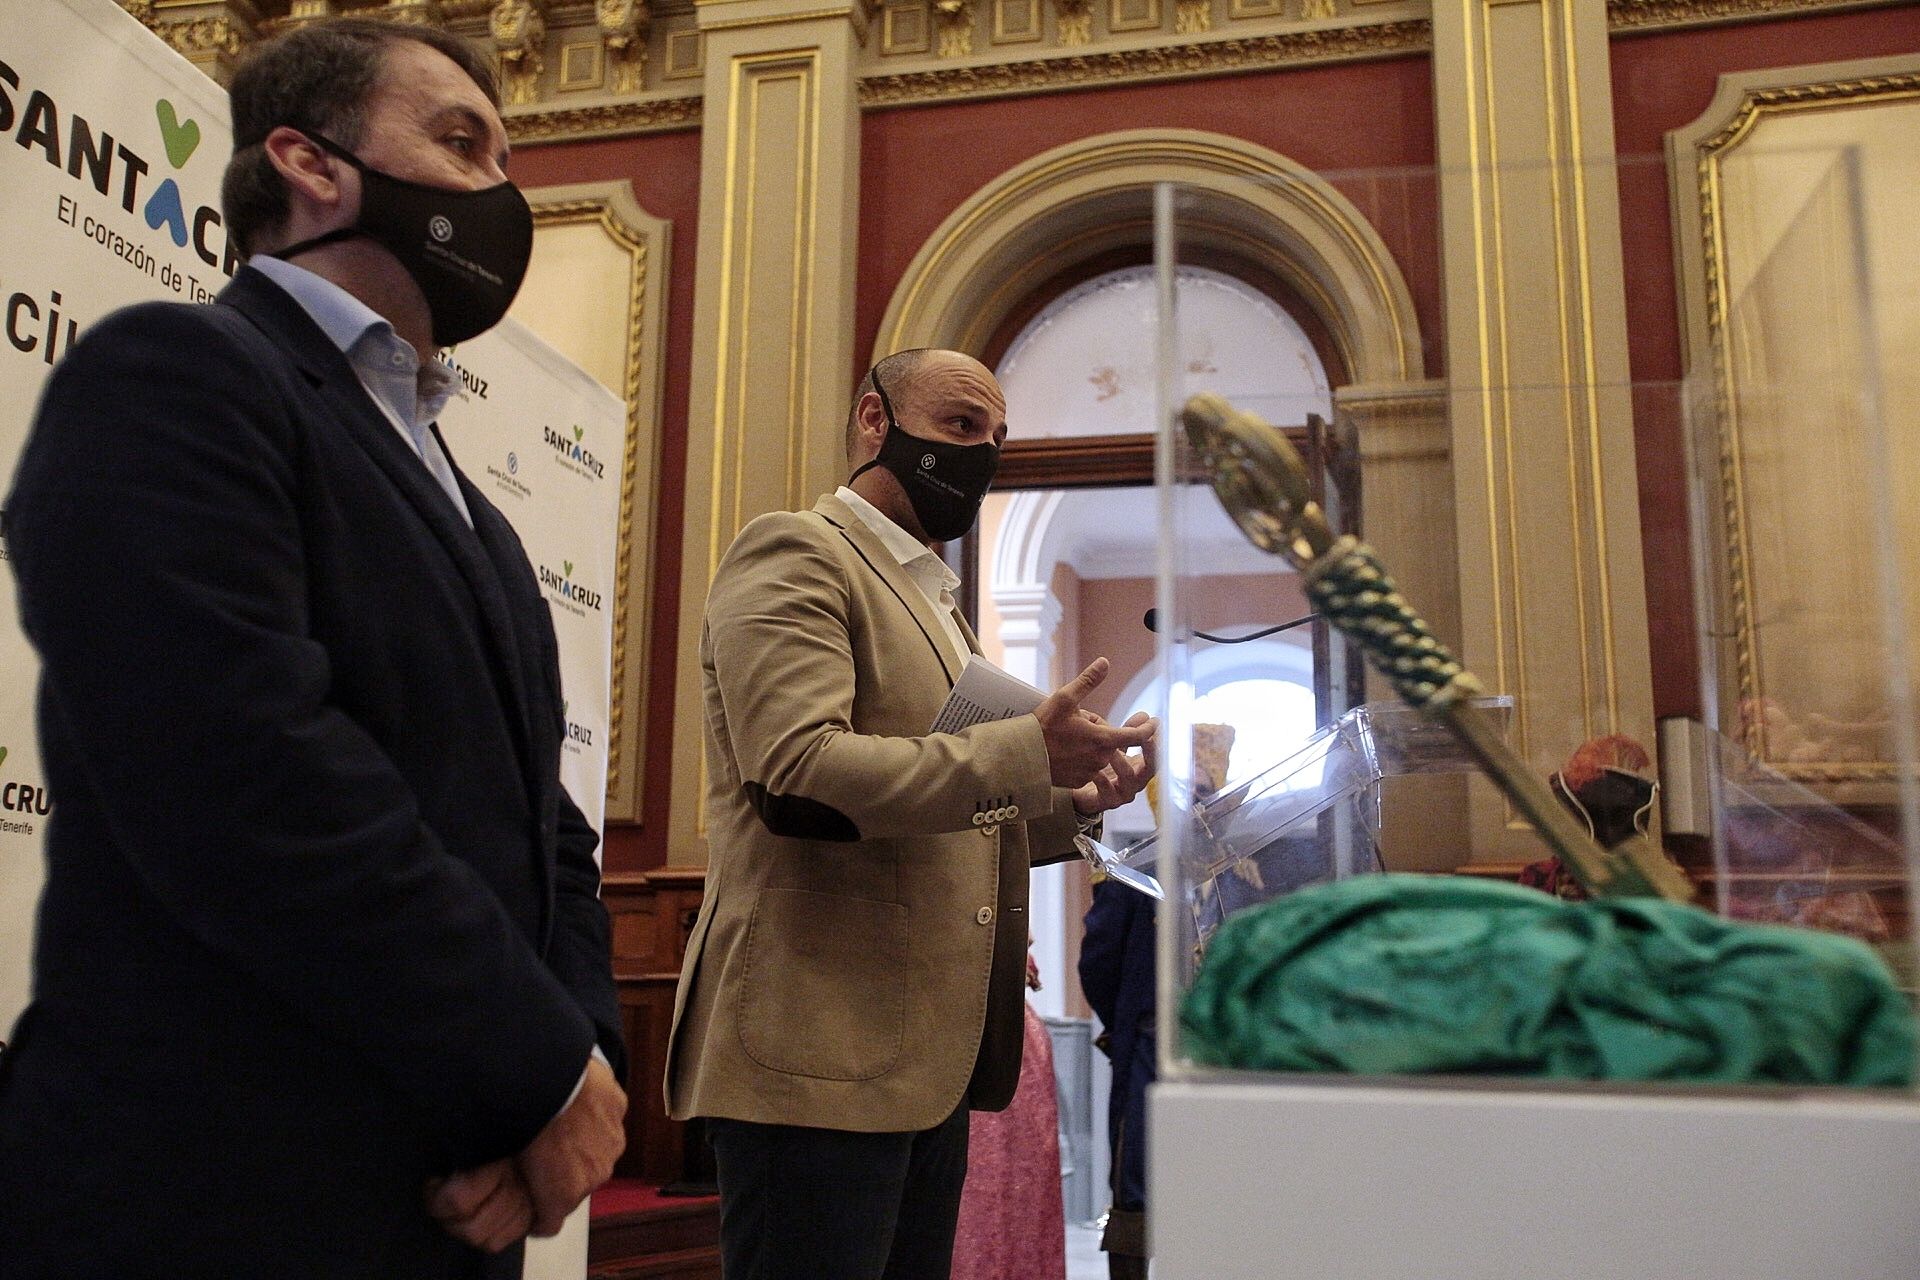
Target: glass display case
(1728,643)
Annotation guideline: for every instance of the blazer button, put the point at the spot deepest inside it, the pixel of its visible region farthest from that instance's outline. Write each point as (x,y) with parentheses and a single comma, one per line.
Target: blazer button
(1013,811)
(990,829)
(979,818)
(983,916)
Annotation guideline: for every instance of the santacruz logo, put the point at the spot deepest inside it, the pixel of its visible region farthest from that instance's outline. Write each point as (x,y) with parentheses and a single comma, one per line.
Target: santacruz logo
(578,735)
(22,797)
(573,453)
(568,593)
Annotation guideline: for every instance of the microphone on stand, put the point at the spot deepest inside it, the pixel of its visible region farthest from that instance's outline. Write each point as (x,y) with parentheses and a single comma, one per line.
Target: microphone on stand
(1151,622)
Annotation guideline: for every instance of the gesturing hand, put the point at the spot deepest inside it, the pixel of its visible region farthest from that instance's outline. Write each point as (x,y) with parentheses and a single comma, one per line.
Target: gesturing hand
(488,1207)
(1124,776)
(575,1152)
(1080,744)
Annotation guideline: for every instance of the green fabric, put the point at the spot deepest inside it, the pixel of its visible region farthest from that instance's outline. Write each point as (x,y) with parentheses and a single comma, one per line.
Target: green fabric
(1409,974)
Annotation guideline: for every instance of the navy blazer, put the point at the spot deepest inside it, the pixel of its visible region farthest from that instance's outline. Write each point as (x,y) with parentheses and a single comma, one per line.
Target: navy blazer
(319,920)
(1117,973)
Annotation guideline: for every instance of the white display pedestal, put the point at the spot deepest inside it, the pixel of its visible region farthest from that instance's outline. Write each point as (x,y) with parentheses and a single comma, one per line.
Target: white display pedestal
(1272,1181)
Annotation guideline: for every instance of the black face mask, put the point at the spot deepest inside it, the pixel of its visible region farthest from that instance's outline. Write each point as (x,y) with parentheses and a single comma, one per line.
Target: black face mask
(467,250)
(945,482)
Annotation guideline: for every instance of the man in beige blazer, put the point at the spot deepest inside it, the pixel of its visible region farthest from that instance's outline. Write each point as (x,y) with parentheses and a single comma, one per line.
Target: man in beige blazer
(852,986)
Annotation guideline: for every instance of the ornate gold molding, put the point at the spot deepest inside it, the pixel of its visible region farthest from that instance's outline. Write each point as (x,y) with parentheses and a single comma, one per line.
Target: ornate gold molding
(1737,588)
(519,30)
(624,26)
(605,120)
(1215,57)
(1074,20)
(953,19)
(1639,15)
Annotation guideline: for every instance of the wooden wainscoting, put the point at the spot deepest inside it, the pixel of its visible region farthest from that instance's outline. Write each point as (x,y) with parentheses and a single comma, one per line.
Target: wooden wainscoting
(652,914)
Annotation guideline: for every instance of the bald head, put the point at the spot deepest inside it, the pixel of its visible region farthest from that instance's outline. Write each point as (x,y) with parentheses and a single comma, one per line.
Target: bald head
(932,388)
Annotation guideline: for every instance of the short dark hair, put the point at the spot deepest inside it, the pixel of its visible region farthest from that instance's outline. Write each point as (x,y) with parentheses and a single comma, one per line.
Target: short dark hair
(896,375)
(316,79)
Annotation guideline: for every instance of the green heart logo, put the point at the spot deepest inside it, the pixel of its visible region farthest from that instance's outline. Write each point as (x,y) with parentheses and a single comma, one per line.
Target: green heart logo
(563,712)
(568,566)
(181,138)
(3,755)
(579,432)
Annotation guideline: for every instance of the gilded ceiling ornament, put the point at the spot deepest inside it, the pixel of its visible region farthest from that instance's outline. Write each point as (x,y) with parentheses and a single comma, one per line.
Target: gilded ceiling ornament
(624,25)
(411,13)
(605,121)
(1192,17)
(1317,10)
(1074,20)
(519,30)
(954,19)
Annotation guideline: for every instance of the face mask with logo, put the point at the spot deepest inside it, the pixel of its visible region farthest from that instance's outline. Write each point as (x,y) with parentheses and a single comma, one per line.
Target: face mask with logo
(945,482)
(467,250)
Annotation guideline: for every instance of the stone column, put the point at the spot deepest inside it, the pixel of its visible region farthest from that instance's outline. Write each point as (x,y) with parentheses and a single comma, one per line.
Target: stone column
(773,312)
(1553,607)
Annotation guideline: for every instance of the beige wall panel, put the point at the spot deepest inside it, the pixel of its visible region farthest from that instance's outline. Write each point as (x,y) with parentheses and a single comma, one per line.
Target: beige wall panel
(773,316)
(1547,520)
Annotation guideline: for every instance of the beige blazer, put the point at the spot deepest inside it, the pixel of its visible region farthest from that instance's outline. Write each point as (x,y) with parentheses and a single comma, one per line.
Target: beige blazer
(858,957)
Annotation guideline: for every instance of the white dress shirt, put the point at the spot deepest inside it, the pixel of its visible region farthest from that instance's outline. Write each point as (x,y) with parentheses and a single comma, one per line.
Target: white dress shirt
(928,571)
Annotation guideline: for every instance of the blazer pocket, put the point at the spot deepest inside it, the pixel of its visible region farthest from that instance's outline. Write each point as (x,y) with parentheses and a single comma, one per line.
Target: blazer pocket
(824,994)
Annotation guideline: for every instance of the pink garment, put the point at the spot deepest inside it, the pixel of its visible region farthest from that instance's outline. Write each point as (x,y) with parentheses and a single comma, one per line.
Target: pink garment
(1012,1226)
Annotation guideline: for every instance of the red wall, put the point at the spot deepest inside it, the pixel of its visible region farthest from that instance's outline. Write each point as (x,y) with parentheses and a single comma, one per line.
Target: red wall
(1660,83)
(664,170)
(1361,125)
(1348,123)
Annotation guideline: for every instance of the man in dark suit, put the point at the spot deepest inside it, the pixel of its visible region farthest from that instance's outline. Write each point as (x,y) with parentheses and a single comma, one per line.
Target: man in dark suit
(321,978)
(1116,972)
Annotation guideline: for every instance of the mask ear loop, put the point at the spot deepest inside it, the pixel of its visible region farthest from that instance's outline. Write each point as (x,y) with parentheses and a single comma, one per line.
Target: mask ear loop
(1561,785)
(873,376)
(1643,816)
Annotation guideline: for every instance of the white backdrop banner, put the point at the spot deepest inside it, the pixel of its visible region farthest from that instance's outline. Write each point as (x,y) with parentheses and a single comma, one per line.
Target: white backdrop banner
(111,152)
(546,444)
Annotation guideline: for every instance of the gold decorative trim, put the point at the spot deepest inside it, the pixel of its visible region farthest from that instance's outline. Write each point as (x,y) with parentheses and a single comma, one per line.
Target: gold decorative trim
(1644,15)
(953,19)
(607,120)
(1192,17)
(1710,153)
(1074,21)
(1097,70)
(1239,9)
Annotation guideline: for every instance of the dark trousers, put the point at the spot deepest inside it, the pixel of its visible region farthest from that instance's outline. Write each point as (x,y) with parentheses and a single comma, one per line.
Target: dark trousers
(823,1204)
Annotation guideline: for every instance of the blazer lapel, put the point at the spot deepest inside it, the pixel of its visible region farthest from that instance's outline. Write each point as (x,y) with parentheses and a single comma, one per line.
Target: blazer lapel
(894,574)
(274,312)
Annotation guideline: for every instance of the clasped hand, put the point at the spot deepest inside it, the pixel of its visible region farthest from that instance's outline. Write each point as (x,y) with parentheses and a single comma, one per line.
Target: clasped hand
(497,1204)
(1094,759)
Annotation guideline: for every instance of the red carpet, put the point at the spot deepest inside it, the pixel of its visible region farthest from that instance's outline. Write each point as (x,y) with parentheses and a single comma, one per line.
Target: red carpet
(630,1195)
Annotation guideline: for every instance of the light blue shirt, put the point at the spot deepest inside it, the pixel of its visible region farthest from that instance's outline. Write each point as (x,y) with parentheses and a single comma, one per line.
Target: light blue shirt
(410,394)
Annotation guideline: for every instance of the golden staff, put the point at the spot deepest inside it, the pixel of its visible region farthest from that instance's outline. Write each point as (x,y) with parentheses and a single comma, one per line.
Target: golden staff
(1262,482)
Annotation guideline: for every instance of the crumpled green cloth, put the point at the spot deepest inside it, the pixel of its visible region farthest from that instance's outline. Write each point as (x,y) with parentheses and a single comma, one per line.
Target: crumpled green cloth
(1416,974)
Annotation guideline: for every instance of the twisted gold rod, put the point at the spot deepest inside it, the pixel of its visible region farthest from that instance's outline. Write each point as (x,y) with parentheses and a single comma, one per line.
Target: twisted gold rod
(1263,483)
